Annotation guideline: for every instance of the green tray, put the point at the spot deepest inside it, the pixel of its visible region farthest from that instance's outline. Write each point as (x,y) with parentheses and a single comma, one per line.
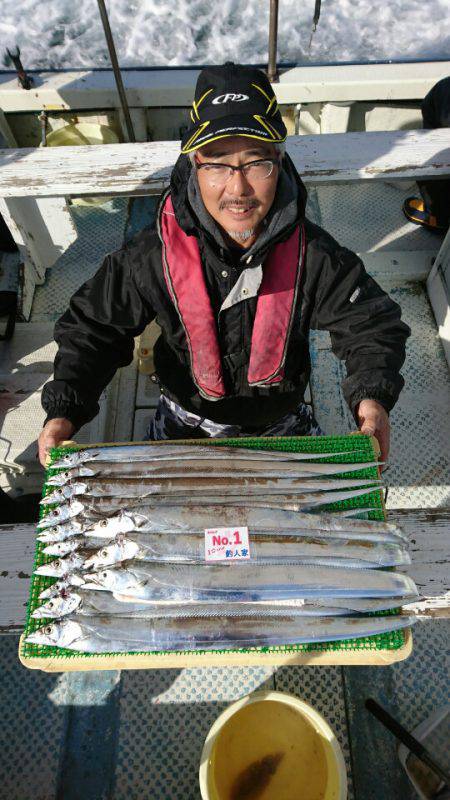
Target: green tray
(356,448)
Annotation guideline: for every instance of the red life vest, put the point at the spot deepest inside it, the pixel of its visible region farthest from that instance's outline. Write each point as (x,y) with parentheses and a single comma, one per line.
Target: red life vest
(275,307)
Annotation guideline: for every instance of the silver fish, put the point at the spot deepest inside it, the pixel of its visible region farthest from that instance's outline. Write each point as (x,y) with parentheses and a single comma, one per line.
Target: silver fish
(245,581)
(190,548)
(248,487)
(62,566)
(194,518)
(107,634)
(179,452)
(71,545)
(219,468)
(65,583)
(88,603)
(60,514)
(62,532)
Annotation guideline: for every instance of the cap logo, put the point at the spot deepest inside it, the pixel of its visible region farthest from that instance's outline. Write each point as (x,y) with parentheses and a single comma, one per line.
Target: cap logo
(229,98)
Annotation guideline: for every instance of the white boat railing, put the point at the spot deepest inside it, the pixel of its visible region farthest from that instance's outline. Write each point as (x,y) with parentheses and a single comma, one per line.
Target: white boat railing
(35,182)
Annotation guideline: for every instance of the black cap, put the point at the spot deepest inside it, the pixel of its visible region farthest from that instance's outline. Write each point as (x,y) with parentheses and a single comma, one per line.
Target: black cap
(233,100)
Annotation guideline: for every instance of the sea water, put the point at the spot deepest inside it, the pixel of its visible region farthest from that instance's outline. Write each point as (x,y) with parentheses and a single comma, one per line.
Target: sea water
(62,34)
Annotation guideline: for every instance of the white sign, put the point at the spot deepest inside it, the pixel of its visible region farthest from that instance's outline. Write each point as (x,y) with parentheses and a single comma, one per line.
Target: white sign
(226,544)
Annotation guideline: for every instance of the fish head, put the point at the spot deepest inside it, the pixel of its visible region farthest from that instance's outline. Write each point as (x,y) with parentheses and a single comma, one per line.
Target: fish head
(69,474)
(68,460)
(60,514)
(62,548)
(112,580)
(54,590)
(60,479)
(54,569)
(60,566)
(63,493)
(75,458)
(56,634)
(49,535)
(113,553)
(63,584)
(59,606)
(109,527)
(59,495)
(58,533)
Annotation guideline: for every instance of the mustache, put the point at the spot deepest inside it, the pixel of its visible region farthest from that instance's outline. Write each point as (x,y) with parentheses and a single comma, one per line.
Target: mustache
(235,204)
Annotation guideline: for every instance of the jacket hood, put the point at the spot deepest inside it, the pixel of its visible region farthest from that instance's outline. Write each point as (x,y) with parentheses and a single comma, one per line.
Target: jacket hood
(287,209)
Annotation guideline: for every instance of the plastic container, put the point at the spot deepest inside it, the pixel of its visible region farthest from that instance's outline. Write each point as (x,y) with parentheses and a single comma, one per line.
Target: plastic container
(79,134)
(232,737)
(434,733)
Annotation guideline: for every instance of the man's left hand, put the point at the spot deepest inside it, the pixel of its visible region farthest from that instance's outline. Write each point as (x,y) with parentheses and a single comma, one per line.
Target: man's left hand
(373,420)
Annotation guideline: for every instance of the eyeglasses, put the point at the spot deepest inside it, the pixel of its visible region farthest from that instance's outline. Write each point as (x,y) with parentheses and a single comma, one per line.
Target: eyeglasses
(220,174)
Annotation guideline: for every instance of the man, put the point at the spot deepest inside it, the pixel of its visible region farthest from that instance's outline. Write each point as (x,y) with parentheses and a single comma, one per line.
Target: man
(235,277)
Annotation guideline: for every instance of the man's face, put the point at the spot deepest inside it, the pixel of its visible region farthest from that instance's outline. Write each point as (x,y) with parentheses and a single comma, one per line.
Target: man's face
(240,205)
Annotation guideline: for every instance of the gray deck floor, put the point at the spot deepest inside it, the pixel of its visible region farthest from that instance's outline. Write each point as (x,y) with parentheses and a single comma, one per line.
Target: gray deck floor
(139,734)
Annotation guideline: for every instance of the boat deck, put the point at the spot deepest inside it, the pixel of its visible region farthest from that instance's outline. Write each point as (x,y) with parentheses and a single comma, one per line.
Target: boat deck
(139,734)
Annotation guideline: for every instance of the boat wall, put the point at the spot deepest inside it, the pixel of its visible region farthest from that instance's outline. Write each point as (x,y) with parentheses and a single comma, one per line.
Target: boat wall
(312,99)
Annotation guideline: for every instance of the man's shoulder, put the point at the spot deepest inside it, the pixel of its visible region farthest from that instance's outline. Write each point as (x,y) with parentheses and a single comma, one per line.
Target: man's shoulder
(139,252)
(320,240)
(141,246)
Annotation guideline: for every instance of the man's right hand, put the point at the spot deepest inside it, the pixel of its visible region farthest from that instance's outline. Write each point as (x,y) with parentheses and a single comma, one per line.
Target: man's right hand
(53,433)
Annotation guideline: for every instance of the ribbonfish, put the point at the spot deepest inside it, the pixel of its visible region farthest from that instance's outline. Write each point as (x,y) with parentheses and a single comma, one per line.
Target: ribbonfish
(190,548)
(65,583)
(61,514)
(314,494)
(63,566)
(87,602)
(245,581)
(179,452)
(62,532)
(194,518)
(200,469)
(98,507)
(106,634)
(71,545)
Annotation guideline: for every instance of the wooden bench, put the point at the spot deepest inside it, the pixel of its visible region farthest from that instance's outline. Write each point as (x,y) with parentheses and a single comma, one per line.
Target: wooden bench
(428,531)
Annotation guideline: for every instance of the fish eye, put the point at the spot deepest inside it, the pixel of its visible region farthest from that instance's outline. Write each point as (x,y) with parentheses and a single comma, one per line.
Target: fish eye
(50,603)
(49,629)
(104,575)
(67,475)
(103,523)
(104,553)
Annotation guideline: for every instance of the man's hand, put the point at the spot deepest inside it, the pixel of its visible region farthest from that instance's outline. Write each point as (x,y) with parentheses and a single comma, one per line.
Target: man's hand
(53,433)
(373,420)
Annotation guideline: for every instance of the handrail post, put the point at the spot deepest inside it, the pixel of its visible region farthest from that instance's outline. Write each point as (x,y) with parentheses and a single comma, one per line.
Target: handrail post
(272,73)
(116,70)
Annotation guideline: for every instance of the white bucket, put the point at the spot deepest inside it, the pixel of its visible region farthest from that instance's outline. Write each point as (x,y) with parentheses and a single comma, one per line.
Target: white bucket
(336,775)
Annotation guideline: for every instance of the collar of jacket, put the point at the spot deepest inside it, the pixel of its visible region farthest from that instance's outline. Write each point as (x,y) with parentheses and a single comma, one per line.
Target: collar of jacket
(280,221)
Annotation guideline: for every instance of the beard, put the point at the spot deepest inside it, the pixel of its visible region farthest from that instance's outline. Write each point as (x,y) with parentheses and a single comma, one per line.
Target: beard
(241,236)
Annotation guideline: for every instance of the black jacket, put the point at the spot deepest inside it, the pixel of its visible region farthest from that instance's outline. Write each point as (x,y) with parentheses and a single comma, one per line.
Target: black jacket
(96,334)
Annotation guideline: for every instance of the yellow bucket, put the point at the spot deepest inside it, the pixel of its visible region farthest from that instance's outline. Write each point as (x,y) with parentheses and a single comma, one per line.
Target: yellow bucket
(272,745)
(82,133)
